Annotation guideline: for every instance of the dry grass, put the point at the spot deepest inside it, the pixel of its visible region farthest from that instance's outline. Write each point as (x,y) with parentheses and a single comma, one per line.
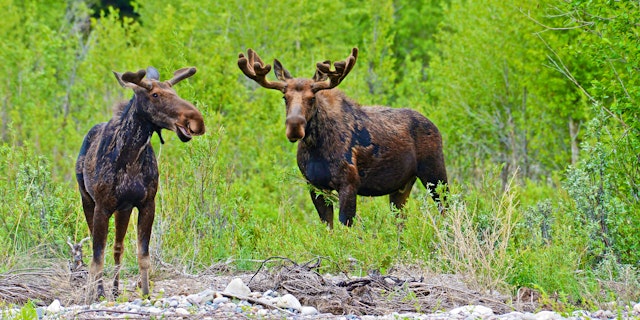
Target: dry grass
(40,285)
(480,255)
(403,290)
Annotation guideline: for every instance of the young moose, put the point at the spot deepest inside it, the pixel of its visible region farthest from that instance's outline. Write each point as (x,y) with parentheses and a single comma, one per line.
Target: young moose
(117,169)
(368,151)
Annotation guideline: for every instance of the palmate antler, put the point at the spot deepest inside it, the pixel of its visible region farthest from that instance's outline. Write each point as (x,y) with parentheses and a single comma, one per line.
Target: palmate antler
(253,67)
(324,71)
(137,78)
(182,74)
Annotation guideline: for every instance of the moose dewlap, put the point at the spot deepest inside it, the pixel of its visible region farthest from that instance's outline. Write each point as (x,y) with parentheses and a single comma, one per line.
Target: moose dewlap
(353,149)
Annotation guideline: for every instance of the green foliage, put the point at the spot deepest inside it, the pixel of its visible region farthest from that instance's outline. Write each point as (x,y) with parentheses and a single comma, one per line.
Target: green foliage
(608,195)
(26,312)
(518,89)
(35,213)
(489,74)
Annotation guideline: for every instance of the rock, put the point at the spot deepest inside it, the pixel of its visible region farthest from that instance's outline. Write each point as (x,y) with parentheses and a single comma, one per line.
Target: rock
(221,300)
(207,295)
(547,315)
(137,302)
(155,310)
(194,298)
(238,288)
(54,307)
(603,314)
(308,311)
(182,312)
(270,293)
(288,301)
(476,311)
(39,312)
(513,315)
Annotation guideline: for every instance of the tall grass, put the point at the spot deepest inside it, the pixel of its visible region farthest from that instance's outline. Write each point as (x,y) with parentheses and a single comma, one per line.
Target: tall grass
(474,235)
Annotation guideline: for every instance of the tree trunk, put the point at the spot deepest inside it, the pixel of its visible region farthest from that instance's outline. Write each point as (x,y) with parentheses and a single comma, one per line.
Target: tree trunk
(574,128)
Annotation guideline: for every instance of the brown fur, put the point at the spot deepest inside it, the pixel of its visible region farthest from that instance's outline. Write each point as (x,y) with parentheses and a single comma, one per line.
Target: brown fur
(117,170)
(370,151)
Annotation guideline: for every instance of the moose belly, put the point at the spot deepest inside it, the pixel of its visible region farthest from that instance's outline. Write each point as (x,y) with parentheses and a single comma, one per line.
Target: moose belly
(375,189)
(383,179)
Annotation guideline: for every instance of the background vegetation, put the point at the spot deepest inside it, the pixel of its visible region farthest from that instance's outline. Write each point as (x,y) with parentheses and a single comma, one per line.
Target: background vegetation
(536,100)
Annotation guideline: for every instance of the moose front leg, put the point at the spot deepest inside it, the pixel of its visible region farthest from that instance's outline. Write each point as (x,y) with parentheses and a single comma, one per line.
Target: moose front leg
(324,208)
(99,236)
(122,222)
(347,199)
(146,214)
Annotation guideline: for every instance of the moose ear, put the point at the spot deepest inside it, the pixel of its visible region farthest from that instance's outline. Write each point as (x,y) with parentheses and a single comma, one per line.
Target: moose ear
(152,73)
(281,73)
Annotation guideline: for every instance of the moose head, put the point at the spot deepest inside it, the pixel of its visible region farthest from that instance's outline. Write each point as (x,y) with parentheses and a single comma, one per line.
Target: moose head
(161,103)
(299,93)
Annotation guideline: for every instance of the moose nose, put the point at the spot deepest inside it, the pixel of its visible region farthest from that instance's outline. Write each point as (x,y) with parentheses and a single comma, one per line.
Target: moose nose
(194,121)
(295,127)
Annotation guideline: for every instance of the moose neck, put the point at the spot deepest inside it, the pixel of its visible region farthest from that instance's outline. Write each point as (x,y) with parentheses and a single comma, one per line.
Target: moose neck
(328,122)
(133,131)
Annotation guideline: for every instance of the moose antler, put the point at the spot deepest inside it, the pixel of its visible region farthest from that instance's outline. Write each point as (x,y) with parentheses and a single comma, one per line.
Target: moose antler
(323,72)
(127,78)
(253,67)
(182,74)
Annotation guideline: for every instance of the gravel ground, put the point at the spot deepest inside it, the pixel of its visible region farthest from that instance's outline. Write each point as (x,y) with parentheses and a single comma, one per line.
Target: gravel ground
(243,297)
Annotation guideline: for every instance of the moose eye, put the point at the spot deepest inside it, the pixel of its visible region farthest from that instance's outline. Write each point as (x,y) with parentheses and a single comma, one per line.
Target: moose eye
(155,95)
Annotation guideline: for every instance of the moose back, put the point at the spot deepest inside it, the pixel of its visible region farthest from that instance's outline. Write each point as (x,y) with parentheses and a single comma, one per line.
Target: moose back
(353,149)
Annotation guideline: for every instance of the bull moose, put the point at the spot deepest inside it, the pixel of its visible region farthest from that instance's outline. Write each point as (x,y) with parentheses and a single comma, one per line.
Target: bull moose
(117,169)
(353,149)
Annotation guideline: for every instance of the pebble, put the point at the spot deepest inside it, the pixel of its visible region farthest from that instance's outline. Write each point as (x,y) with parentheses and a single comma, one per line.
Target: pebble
(547,315)
(238,288)
(288,301)
(210,304)
(308,311)
(472,310)
(54,307)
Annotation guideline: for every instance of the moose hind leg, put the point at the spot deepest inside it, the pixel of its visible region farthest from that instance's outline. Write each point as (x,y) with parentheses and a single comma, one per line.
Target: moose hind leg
(399,198)
(348,202)
(88,205)
(430,176)
(121,223)
(146,214)
(324,208)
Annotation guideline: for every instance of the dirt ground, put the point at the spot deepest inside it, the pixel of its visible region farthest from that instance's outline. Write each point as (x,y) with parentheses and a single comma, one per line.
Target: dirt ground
(402,289)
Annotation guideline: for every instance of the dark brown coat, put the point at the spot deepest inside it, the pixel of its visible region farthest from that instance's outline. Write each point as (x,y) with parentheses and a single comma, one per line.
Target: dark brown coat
(369,151)
(117,170)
